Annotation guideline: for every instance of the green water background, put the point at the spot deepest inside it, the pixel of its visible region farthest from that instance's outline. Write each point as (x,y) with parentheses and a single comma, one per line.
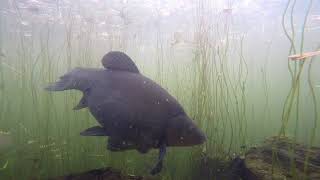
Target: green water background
(234,84)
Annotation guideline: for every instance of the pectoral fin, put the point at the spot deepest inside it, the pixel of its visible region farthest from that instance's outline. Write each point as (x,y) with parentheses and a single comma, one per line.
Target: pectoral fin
(94,131)
(82,104)
(118,144)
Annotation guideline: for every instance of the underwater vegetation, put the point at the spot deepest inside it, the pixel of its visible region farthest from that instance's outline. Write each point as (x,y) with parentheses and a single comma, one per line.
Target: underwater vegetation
(242,70)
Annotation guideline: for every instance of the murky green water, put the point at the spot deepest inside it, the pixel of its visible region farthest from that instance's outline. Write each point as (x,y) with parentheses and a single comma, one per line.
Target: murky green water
(225,61)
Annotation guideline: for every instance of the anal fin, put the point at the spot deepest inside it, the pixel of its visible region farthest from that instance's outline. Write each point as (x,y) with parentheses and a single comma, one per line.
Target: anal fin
(94,131)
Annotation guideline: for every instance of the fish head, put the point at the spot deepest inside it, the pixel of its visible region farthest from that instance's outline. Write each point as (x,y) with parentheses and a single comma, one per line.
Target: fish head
(182,131)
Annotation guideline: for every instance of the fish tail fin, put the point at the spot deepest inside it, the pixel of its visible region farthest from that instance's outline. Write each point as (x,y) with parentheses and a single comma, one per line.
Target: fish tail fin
(57,86)
(74,79)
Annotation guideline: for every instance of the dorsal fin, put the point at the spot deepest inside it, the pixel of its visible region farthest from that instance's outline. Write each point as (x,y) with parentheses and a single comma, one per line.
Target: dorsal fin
(116,60)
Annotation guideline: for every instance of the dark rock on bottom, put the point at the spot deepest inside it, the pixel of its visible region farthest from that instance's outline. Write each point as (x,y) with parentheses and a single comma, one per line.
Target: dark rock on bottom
(282,158)
(277,158)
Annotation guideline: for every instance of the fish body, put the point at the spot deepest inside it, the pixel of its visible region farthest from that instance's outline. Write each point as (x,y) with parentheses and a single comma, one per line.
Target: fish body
(134,111)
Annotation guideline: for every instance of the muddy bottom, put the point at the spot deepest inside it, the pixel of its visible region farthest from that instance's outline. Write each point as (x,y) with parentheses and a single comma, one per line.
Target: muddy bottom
(102,174)
(257,164)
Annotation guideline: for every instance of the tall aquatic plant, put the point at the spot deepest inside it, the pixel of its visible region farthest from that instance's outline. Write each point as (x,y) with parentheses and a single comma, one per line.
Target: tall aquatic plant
(295,69)
(220,68)
(292,103)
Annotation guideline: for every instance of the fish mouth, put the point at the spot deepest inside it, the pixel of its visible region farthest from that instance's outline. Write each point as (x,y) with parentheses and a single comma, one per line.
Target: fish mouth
(199,139)
(202,138)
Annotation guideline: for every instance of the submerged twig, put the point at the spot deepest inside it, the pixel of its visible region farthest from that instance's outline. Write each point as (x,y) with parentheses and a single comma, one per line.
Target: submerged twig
(303,56)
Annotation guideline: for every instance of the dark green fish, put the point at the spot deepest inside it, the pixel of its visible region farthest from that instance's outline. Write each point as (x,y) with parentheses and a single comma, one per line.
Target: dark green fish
(134,111)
